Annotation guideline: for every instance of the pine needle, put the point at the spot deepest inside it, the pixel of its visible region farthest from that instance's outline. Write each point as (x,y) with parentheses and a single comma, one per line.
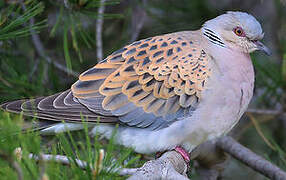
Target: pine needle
(258,129)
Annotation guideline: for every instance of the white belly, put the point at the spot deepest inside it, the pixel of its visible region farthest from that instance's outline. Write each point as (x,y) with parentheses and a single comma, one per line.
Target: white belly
(217,114)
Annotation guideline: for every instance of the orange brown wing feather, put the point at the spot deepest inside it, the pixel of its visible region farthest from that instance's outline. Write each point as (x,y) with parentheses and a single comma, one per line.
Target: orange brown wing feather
(160,74)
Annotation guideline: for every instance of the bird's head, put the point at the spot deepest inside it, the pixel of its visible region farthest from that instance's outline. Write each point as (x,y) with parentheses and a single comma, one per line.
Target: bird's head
(238,30)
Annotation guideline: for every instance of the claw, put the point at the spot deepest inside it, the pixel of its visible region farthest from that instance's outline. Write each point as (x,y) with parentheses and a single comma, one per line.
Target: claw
(159,154)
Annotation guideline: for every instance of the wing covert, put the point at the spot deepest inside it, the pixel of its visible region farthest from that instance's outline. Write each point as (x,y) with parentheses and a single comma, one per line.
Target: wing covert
(160,75)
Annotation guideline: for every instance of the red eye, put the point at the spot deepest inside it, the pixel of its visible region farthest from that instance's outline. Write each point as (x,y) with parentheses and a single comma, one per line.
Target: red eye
(238,31)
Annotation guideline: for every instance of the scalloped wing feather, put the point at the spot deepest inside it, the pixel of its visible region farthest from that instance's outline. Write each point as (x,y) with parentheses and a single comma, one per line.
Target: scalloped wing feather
(158,75)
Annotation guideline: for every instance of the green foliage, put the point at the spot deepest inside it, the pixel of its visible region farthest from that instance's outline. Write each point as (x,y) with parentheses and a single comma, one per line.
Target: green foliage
(275,154)
(67,31)
(284,71)
(71,17)
(269,80)
(12,20)
(184,15)
(73,145)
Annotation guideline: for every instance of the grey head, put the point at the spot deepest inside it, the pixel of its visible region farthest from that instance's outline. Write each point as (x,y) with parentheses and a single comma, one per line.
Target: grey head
(237,30)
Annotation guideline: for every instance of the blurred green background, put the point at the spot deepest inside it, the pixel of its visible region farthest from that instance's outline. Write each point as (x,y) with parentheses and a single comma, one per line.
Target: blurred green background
(67,31)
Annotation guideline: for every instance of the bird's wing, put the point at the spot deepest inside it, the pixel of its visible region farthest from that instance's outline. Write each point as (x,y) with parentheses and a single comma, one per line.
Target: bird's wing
(149,83)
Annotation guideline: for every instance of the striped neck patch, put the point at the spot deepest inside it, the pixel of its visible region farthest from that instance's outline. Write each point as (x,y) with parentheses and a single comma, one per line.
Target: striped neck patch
(213,37)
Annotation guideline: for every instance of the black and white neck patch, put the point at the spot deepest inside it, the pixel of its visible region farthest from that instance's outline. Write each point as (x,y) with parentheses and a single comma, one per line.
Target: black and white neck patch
(213,37)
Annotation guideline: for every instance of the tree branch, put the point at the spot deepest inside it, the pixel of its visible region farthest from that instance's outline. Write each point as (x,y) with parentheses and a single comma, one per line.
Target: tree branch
(212,164)
(265,111)
(170,165)
(249,158)
(58,158)
(138,18)
(99,24)
(210,160)
(81,164)
(41,50)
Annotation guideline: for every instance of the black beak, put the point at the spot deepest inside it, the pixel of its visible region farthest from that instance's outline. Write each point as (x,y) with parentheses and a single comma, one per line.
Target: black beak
(261,47)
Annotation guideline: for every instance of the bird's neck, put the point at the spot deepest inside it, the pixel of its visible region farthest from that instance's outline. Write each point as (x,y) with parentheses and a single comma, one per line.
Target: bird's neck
(212,36)
(235,64)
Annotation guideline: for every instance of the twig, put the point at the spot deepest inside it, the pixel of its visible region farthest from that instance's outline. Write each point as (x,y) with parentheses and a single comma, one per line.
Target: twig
(249,158)
(14,164)
(99,24)
(35,67)
(127,171)
(41,50)
(45,74)
(60,159)
(138,19)
(18,169)
(42,167)
(5,82)
(67,4)
(81,164)
(259,131)
(264,111)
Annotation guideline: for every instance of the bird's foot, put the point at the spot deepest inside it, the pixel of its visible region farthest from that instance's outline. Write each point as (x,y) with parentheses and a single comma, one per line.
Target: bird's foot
(159,154)
(184,154)
(180,150)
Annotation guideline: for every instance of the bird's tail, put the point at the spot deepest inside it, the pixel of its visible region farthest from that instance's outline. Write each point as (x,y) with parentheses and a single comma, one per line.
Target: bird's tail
(58,107)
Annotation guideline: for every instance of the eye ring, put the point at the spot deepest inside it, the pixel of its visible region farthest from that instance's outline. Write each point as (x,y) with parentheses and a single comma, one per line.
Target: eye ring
(239,31)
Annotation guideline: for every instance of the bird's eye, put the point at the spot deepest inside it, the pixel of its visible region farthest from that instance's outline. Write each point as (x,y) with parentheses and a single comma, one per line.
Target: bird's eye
(238,31)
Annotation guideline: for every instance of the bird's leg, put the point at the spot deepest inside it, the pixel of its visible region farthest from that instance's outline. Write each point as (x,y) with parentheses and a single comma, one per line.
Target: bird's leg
(184,154)
(180,150)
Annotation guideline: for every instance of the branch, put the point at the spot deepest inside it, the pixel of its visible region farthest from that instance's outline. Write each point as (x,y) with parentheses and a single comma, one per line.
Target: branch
(81,164)
(42,168)
(127,171)
(259,131)
(14,164)
(249,158)
(41,50)
(210,160)
(265,111)
(169,166)
(36,64)
(99,24)
(58,158)
(18,169)
(138,18)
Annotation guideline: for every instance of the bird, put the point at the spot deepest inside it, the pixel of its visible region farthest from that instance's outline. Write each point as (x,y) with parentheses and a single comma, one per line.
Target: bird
(171,91)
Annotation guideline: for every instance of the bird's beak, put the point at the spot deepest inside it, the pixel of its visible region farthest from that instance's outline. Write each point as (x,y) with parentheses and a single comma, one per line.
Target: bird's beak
(261,47)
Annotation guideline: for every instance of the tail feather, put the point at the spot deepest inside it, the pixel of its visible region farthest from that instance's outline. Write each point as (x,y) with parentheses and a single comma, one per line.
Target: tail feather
(14,106)
(54,108)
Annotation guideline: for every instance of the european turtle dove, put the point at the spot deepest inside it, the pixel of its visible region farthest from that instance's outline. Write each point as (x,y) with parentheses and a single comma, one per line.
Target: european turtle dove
(167,91)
